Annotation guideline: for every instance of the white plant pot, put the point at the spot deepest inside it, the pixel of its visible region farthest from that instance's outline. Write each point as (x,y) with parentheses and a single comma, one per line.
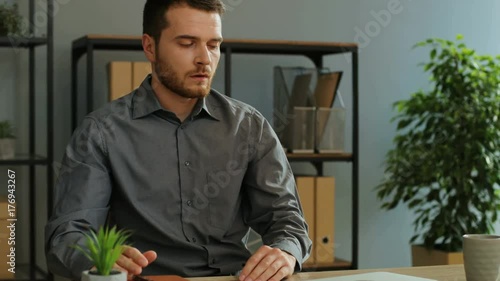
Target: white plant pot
(7,148)
(117,276)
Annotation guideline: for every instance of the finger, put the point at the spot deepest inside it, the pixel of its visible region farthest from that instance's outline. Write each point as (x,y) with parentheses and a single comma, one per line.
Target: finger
(136,256)
(253,261)
(150,256)
(268,266)
(283,272)
(129,275)
(117,267)
(129,265)
(261,261)
(274,262)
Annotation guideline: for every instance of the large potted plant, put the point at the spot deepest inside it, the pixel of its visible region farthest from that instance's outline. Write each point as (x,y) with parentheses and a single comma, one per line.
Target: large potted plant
(445,165)
(7,140)
(103,249)
(10,20)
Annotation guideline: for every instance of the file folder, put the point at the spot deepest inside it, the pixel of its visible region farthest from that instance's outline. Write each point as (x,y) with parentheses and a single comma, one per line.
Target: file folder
(120,79)
(305,187)
(325,203)
(140,70)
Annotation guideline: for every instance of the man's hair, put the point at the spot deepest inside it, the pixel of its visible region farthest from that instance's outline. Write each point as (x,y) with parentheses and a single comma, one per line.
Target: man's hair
(155,20)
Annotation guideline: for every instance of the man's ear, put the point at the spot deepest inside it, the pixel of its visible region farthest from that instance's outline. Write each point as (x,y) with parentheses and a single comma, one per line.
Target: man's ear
(149,47)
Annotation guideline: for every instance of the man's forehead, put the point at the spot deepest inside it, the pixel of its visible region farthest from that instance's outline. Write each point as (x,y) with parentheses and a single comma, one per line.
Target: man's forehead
(180,16)
(183,20)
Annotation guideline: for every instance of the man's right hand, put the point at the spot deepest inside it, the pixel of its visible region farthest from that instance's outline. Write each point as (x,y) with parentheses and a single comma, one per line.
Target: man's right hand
(133,261)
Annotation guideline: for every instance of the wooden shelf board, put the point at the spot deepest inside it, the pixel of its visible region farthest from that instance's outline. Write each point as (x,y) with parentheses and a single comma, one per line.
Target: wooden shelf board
(238,41)
(338,263)
(235,46)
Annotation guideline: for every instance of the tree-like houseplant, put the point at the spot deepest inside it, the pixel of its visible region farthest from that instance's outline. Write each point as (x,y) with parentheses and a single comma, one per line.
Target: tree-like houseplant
(445,165)
(10,20)
(103,249)
(7,140)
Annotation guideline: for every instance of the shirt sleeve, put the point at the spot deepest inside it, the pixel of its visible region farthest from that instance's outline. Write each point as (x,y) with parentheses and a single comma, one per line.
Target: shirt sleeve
(274,208)
(81,200)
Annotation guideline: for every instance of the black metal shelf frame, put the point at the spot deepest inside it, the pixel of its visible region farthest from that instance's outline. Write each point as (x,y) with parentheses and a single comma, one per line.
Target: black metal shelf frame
(25,160)
(22,42)
(314,51)
(32,159)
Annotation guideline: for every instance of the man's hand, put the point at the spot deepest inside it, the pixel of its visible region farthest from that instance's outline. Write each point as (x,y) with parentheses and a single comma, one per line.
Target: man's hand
(268,264)
(133,261)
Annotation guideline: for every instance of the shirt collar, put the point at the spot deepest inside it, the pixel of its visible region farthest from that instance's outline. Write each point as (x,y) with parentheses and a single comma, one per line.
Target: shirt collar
(208,108)
(145,102)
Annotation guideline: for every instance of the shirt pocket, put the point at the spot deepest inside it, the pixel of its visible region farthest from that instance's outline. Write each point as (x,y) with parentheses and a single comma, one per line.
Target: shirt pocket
(223,190)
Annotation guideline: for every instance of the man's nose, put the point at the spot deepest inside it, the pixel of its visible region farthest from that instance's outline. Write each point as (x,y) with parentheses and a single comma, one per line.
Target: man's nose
(203,57)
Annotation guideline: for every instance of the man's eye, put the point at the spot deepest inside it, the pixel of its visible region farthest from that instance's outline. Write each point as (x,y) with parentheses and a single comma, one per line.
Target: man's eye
(185,44)
(213,47)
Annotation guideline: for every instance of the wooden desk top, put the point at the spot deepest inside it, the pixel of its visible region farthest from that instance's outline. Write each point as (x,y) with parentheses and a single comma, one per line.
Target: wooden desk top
(440,273)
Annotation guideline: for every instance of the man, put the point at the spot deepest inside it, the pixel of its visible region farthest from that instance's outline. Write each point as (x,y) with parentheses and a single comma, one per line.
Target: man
(185,168)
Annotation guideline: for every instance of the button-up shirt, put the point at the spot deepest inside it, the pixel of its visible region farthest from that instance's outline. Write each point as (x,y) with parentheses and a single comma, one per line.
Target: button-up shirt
(189,190)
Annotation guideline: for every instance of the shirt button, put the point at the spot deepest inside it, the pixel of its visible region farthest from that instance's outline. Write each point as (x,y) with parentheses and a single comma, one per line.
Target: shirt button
(189,203)
(194,240)
(187,163)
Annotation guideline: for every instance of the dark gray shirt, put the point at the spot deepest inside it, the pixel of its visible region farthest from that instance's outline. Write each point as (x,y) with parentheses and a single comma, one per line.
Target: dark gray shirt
(190,191)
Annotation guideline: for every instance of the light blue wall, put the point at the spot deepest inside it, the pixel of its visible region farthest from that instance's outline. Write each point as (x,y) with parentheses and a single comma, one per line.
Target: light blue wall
(388,72)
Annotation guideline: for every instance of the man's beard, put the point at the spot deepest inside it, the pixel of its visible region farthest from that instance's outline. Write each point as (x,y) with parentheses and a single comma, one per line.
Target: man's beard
(168,77)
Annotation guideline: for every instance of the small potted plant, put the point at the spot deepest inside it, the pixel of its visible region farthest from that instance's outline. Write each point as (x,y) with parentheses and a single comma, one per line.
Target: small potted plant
(10,20)
(7,140)
(103,249)
(445,165)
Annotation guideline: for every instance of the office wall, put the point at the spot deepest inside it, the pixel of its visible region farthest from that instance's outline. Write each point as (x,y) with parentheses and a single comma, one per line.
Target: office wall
(388,72)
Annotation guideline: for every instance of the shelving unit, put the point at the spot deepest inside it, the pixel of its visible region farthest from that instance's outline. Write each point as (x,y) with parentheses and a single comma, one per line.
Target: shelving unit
(313,50)
(32,270)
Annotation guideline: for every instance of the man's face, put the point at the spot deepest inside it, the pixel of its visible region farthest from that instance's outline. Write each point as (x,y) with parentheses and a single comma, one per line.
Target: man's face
(188,51)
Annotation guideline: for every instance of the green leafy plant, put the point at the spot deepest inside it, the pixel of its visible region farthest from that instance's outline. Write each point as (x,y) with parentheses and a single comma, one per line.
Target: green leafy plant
(446,162)
(10,20)
(104,247)
(6,130)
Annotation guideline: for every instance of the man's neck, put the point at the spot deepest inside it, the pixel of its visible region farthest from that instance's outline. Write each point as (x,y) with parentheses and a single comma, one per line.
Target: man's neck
(181,106)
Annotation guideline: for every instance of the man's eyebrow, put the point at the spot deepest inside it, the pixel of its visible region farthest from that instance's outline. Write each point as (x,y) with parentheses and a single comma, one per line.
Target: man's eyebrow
(191,37)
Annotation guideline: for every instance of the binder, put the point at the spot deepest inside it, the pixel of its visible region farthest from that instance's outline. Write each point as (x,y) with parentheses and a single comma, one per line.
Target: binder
(326,88)
(140,70)
(324,96)
(5,234)
(325,203)
(120,79)
(305,188)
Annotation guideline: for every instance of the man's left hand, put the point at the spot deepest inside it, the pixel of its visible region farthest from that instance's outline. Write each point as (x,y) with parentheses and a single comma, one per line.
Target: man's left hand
(268,264)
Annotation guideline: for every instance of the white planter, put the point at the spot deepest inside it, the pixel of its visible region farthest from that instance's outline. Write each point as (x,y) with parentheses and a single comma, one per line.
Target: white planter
(118,276)
(7,148)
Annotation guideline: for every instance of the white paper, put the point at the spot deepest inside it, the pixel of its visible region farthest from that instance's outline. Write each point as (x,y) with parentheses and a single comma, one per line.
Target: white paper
(375,276)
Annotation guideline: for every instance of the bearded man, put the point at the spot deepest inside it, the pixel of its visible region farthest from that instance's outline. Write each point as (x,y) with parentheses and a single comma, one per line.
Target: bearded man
(188,170)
